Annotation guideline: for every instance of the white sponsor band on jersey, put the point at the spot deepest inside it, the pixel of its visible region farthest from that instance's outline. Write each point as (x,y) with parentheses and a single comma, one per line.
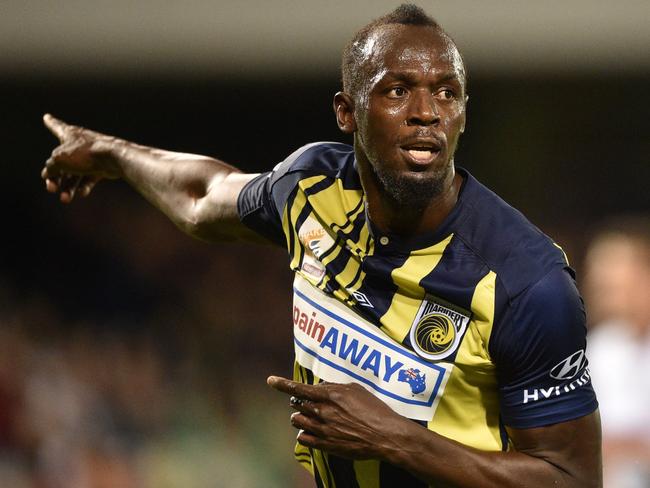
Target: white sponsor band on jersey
(339,346)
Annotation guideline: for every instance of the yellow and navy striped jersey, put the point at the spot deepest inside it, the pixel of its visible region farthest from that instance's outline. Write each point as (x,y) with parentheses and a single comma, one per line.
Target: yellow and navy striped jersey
(467,329)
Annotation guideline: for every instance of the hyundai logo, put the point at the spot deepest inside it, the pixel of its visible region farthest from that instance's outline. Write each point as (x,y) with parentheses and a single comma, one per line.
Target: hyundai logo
(569,367)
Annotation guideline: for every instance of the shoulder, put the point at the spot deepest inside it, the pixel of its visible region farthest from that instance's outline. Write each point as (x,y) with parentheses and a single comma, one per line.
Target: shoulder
(517,251)
(547,314)
(263,200)
(552,303)
(323,158)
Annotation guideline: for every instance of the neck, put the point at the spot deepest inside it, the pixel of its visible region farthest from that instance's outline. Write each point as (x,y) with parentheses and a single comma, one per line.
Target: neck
(398,218)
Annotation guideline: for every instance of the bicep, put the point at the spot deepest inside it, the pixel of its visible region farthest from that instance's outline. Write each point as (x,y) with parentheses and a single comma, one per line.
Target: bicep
(572,448)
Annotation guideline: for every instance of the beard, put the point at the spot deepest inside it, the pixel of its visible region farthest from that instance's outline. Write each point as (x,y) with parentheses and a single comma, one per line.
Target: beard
(411,191)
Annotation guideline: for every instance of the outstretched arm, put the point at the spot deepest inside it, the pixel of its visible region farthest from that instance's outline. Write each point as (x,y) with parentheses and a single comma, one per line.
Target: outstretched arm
(349,421)
(198,193)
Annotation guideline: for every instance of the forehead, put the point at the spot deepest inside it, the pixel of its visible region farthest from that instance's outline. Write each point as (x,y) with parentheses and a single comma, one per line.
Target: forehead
(394,47)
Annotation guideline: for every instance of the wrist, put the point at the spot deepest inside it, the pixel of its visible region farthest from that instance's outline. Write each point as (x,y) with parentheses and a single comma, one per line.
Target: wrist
(410,447)
(114,154)
(405,434)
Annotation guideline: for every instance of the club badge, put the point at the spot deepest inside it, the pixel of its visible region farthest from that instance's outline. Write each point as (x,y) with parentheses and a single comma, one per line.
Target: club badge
(438,328)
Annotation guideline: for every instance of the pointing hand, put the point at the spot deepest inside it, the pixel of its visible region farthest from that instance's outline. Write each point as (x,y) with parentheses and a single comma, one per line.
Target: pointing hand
(82,158)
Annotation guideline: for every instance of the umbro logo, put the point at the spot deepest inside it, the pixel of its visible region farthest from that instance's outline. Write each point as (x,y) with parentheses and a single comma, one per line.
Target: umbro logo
(362,299)
(569,367)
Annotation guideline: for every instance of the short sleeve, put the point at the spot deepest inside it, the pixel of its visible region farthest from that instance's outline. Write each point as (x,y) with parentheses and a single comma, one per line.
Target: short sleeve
(538,347)
(261,202)
(257,211)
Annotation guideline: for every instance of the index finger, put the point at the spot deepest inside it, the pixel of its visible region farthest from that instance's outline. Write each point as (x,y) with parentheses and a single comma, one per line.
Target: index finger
(56,126)
(309,392)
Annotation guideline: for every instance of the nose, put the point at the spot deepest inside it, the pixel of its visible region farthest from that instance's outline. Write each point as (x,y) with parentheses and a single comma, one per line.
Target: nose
(423,109)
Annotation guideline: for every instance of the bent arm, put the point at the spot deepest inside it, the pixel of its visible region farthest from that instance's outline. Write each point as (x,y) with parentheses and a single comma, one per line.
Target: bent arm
(347,420)
(562,455)
(198,193)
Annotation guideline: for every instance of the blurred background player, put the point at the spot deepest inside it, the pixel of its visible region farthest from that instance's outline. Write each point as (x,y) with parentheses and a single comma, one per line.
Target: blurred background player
(617,291)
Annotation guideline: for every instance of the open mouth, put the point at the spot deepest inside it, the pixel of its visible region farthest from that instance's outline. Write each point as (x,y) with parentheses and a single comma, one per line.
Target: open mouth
(422,153)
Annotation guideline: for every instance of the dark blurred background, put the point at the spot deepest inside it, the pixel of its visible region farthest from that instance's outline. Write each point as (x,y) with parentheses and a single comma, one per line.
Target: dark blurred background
(132,355)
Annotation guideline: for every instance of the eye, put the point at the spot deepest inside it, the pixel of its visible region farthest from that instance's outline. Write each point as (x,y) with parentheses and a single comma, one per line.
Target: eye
(446,94)
(397,92)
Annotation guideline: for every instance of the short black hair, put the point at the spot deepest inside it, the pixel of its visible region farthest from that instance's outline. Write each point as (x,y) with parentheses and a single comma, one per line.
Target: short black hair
(352,71)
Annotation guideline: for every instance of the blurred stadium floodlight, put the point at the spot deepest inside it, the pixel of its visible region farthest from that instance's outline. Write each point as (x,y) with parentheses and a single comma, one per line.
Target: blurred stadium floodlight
(203,37)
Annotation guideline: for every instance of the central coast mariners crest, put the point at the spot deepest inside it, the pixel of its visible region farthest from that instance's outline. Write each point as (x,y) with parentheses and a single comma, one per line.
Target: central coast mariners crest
(438,328)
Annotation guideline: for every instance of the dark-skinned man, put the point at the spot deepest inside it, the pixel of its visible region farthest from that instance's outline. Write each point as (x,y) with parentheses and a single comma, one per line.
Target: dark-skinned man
(439,335)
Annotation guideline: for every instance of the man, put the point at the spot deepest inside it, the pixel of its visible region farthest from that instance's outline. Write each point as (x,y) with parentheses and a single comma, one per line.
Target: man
(439,336)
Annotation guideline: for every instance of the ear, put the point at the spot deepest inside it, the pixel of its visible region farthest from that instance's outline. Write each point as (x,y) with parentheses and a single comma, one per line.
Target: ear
(344,111)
